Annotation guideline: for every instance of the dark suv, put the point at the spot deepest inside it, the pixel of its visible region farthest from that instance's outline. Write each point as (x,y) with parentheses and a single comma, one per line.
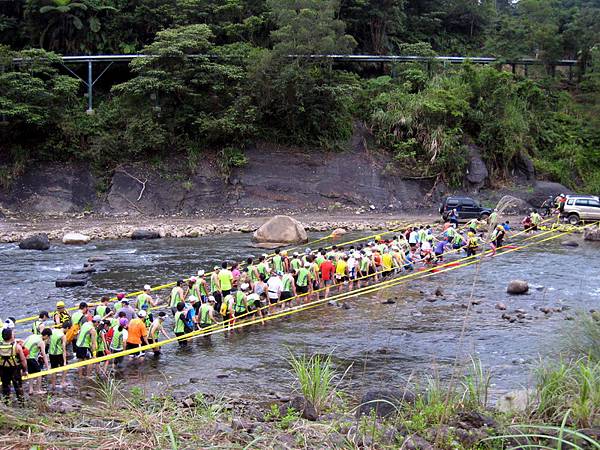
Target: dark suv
(466,207)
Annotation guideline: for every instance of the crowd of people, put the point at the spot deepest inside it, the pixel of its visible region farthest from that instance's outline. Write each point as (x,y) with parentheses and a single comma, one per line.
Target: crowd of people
(233,290)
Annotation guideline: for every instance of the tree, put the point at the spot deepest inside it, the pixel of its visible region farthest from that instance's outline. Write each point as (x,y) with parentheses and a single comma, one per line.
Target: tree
(375,24)
(34,100)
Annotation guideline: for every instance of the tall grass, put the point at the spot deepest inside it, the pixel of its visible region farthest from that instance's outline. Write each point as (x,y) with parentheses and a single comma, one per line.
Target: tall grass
(109,390)
(316,378)
(476,383)
(583,336)
(569,386)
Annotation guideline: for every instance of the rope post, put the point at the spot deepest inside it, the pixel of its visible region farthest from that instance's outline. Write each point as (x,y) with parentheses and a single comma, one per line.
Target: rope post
(90,84)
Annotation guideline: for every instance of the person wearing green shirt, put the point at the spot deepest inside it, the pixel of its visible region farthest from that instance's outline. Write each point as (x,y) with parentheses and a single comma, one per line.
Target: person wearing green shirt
(87,343)
(225,279)
(207,317)
(145,299)
(179,323)
(177,295)
(36,345)
(103,309)
(57,353)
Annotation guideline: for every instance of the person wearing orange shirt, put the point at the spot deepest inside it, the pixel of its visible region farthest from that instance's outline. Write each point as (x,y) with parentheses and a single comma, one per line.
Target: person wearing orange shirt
(137,332)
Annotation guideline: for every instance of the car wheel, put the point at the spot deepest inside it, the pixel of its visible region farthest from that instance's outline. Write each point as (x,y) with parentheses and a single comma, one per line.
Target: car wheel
(574,219)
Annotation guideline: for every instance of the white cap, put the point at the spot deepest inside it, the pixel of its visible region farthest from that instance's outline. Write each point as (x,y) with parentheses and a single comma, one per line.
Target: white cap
(9,323)
(141,314)
(211,298)
(193,279)
(147,287)
(244,286)
(201,273)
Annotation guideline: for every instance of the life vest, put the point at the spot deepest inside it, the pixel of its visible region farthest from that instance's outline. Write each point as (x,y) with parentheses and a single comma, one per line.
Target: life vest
(117,339)
(63,315)
(175,297)
(8,354)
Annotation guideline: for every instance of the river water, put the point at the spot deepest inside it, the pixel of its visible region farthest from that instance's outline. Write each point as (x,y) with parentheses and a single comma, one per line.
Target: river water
(384,343)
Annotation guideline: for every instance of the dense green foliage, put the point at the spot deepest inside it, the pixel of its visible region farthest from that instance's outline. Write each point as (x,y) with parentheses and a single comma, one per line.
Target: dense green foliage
(243,86)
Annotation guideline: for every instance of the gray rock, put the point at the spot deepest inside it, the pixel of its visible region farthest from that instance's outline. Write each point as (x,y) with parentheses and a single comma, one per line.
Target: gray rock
(501,306)
(439,292)
(384,402)
(301,405)
(72,280)
(35,242)
(477,172)
(99,258)
(416,442)
(517,287)
(64,405)
(569,243)
(145,234)
(516,401)
(281,229)
(591,233)
(512,205)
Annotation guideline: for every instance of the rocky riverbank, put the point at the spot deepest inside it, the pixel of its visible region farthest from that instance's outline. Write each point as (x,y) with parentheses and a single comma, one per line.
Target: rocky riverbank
(97,227)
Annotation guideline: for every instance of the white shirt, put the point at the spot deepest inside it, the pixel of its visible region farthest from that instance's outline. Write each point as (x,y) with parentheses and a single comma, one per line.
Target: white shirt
(275,286)
(413,237)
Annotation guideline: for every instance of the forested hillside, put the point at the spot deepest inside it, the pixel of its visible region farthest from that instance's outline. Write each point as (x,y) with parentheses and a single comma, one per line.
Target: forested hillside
(242,86)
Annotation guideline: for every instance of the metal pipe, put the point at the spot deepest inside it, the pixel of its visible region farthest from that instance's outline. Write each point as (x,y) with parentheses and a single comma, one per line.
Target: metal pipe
(90,85)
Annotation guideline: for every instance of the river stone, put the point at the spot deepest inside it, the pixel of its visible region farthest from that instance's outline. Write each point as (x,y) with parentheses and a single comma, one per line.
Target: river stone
(301,405)
(501,306)
(591,233)
(282,230)
(569,243)
(145,234)
(75,239)
(36,242)
(512,205)
(515,401)
(99,258)
(338,232)
(517,287)
(416,442)
(72,280)
(384,402)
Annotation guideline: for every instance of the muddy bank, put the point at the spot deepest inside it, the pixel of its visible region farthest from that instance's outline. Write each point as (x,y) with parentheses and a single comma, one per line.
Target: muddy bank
(98,227)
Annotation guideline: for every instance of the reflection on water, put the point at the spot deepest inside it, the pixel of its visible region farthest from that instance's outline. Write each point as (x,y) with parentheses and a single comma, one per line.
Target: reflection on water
(385,343)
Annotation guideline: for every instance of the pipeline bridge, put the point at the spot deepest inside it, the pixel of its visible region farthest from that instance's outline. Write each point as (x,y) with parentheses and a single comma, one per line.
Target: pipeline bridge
(105,62)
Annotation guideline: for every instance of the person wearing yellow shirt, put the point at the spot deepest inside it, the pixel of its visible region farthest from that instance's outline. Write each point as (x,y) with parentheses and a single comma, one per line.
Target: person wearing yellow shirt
(341,272)
(225,279)
(387,262)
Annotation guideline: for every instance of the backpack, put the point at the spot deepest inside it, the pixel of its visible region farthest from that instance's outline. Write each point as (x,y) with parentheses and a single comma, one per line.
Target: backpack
(72,332)
(224,308)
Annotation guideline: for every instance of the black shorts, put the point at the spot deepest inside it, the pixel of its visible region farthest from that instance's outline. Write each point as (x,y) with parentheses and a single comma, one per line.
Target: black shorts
(56,361)
(130,346)
(272,301)
(205,325)
(301,289)
(341,279)
(225,292)
(82,353)
(33,366)
(100,353)
(285,295)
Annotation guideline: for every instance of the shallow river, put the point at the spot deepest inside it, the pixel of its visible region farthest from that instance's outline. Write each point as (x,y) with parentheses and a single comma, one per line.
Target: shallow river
(385,343)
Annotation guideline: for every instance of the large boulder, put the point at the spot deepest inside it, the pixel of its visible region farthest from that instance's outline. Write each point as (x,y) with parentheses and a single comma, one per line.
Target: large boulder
(145,234)
(591,233)
(544,189)
(280,230)
(36,242)
(517,287)
(477,172)
(75,239)
(512,205)
(384,402)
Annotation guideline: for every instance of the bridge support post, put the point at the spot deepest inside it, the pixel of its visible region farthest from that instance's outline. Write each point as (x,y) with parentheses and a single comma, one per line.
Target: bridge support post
(90,84)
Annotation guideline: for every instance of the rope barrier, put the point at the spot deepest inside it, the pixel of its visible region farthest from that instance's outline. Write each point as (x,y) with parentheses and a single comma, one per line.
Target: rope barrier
(165,286)
(361,291)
